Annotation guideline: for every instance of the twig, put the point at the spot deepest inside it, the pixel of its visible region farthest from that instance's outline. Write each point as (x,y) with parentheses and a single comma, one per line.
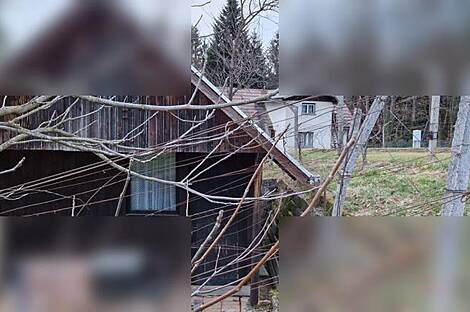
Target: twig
(214,230)
(240,203)
(19,164)
(274,249)
(123,193)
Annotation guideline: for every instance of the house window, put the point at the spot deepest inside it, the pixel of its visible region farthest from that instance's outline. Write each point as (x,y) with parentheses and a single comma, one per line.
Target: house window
(272,132)
(154,196)
(309,108)
(306,139)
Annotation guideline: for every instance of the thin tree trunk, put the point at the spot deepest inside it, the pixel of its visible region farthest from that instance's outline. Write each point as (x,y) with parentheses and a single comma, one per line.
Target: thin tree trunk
(434,124)
(340,118)
(384,124)
(459,167)
(350,164)
(364,152)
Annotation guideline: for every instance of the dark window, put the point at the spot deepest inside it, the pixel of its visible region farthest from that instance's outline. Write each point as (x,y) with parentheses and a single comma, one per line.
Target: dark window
(306,139)
(272,132)
(309,108)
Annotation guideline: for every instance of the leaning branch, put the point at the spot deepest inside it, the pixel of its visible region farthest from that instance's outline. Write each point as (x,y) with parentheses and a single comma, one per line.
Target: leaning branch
(275,248)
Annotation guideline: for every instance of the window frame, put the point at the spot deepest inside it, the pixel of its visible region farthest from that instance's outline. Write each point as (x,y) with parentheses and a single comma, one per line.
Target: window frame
(306,139)
(306,108)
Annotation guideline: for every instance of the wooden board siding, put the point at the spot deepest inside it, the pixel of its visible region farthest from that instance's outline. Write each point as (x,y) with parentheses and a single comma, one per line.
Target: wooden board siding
(112,123)
(56,195)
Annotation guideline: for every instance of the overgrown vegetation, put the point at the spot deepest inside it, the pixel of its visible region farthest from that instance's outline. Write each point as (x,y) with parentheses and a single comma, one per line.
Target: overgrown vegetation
(397,183)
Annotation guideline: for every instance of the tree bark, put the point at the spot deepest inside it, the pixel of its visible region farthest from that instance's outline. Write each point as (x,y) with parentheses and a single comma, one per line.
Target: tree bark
(459,167)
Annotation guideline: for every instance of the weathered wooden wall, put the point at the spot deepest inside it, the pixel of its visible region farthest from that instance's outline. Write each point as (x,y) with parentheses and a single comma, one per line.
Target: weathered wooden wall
(114,123)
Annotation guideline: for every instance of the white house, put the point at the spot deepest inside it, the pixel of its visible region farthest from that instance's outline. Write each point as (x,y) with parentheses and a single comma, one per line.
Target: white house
(314,117)
(314,120)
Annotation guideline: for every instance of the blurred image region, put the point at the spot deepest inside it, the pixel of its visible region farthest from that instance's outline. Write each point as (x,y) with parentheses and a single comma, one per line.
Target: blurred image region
(374,264)
(375,47)
(98,47)
(95,264)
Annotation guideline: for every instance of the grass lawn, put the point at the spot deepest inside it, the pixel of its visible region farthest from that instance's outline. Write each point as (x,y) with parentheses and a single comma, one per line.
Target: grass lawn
(398,183)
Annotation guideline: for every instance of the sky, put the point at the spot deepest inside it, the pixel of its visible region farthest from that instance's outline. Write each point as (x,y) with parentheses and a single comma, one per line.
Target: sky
(265,26)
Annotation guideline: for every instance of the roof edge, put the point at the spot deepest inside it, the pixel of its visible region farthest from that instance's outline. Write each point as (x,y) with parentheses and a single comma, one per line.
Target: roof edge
(310,178)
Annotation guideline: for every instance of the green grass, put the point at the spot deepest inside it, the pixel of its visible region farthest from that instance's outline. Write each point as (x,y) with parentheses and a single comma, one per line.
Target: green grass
(399,183)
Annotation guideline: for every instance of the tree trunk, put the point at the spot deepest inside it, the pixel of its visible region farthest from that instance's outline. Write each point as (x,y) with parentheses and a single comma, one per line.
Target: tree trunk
(340,119)
(356,151)
(364,152)
(459,167)
(434,124)
(413,110)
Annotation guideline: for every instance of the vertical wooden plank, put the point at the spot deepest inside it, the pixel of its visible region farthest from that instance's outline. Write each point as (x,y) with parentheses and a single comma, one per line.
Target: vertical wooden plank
(256,219)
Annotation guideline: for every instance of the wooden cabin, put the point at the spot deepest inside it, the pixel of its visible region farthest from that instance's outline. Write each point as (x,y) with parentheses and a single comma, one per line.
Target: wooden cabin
(58,180)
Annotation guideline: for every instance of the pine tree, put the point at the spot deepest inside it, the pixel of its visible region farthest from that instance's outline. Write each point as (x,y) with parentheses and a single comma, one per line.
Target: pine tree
(229,48)
(273,63)
(198,48)
(258,71)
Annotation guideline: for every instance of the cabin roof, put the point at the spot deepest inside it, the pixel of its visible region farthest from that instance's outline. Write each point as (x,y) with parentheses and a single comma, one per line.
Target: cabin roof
(286,162)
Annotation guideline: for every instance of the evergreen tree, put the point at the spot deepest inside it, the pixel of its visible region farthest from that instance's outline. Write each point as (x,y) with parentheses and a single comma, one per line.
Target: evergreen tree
(258,70)
(198,48)
(229,48)
(273,63)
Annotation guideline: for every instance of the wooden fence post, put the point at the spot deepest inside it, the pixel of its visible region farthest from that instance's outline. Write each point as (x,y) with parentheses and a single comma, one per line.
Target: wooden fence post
(361,142)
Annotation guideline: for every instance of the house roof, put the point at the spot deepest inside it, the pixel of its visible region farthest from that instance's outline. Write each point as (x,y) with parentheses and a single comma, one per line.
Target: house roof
(256,110)
(286,162)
